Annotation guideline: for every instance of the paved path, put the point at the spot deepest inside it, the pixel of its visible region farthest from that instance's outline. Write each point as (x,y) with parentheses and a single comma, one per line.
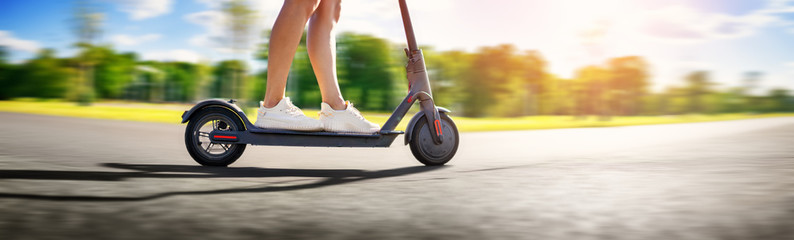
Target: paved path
(69,178)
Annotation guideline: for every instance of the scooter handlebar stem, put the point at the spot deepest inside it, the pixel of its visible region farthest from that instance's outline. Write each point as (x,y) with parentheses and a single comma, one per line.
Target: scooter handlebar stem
(409,28)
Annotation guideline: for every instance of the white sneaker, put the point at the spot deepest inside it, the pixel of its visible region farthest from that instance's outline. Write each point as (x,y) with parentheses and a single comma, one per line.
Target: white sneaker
(285,115)
(348,120)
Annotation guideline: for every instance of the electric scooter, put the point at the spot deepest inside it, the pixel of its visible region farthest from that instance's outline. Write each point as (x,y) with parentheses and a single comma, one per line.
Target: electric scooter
(218,131)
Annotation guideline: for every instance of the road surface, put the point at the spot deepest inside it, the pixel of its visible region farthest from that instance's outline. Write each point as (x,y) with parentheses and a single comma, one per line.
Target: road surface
(70,178)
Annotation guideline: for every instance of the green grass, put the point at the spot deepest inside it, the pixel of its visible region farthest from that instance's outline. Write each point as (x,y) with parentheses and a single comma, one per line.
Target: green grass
(171,113)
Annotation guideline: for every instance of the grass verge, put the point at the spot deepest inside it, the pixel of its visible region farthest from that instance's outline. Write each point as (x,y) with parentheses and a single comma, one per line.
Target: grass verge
(171,113)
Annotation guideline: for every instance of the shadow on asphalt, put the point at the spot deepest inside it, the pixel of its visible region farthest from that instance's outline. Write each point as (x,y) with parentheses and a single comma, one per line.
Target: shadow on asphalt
(332,177)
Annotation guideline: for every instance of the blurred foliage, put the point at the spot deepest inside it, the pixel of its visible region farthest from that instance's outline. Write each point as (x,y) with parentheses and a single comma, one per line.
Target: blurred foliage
(44,76)
(87,26)
(495,81)
(364,71)
(302,83)
(239,20)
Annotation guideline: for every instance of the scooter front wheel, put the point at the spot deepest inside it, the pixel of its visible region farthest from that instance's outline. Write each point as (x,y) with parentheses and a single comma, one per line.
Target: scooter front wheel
(198,142)
(426,150)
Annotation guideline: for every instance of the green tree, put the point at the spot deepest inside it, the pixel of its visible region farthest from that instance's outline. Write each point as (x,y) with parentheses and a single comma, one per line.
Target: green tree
(113,72)
(263,51)
(365,71)
(222,85)
(3,55)
(780,101)
(239,21)
(750,82)
(203,81)
(732,100)
(259,82)
(6,71)
(149,82)
(87,23)
(302,83)
(698,85)
(43,77)
(181,81)
(447,71)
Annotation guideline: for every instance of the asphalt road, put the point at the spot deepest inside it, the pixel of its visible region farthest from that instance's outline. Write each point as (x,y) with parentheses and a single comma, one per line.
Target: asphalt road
(69,178)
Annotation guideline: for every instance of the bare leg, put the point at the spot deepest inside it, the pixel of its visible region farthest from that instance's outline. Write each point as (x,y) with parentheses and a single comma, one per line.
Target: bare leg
(321,45)
(284,40)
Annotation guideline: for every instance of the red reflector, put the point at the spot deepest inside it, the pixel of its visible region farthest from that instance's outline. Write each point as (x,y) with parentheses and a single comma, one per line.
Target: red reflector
(225,137)
(438,128)
(409,98)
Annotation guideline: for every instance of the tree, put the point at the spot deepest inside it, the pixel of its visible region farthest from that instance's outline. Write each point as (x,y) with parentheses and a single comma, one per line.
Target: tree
(42,77)
(203,80)
(148,83)
(698,85)
(780,100)
(239,20)
(181,81)
(749,84)
(536,82)
(302,83)
(263,50)
(87,27)
(447,71)
(590,88)
(628,81)
(499,74)
(259,82)
(113,72)
(6,71)
(222,84)
(365,73)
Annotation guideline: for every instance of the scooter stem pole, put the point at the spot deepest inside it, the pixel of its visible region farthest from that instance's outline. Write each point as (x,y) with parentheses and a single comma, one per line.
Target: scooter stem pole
(409,28)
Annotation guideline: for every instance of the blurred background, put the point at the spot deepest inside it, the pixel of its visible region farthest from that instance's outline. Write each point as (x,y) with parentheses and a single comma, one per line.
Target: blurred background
(496,59)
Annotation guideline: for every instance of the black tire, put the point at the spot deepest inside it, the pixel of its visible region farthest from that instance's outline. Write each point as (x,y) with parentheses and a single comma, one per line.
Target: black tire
(197,140)
(423,147)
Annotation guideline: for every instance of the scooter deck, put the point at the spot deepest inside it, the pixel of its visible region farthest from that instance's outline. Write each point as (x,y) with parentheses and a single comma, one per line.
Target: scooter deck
(281,137)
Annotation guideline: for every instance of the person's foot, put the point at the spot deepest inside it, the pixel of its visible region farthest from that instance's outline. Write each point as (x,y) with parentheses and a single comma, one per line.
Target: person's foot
(348,120)
(285,115)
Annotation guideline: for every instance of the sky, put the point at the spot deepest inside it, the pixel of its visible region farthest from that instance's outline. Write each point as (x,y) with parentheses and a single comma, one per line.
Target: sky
(728,38)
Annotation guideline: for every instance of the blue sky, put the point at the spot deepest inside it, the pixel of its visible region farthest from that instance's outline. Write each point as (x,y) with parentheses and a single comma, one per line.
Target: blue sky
(725,37)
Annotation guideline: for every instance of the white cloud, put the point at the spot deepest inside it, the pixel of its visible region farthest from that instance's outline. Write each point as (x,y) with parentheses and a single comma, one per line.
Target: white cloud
(216,35)
(681,24)
(694,65)
(178,55)
(8,39)
(780,6)
(361,26)
(370,9)
(127,40)
(212,21)
(211,3)
(143,9)
(789,64)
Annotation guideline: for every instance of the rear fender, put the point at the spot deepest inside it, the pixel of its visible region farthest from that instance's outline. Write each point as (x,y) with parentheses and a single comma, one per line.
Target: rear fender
(219,103)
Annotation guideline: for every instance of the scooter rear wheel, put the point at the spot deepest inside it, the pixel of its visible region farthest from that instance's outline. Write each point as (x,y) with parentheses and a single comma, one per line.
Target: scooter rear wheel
(198,142)
(428,152)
